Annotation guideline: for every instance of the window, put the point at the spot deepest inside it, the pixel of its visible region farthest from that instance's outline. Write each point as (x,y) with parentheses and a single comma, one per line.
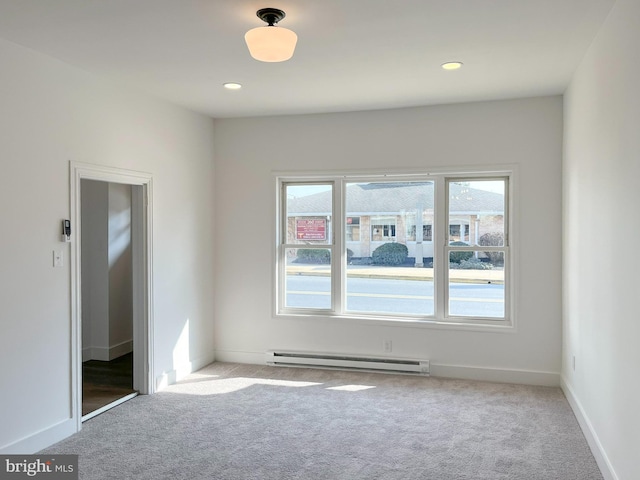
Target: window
(383,228)
(426,233)
(352,232)
(454,233)
(476,260)
(388,205)
(308,247)
(369,263)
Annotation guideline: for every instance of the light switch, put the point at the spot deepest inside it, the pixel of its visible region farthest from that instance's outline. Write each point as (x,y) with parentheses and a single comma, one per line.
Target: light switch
(58,259)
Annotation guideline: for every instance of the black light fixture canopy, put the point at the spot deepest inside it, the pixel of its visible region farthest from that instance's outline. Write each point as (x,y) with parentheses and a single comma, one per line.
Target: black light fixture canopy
(270,15)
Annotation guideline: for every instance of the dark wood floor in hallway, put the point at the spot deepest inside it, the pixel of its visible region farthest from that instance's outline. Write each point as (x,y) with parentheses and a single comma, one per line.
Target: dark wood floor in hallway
(105,382)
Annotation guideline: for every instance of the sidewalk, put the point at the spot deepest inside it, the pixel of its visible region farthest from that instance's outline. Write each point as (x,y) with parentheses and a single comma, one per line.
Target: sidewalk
(400,273)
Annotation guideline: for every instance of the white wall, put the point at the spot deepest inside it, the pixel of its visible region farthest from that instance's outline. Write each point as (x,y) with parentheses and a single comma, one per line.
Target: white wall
(120,271)
(51,114)
(526,132)
(107,294)
(602,226)
(95,269)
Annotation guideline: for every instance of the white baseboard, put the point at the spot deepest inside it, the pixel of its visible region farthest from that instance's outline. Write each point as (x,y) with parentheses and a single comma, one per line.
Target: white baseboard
(106,354)
(231,356)
(170,377)
(40,440)
(589,433)
(500,375)
(526,377)
(120,349)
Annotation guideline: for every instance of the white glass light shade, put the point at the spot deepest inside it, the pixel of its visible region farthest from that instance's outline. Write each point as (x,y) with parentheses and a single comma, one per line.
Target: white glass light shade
(271,44)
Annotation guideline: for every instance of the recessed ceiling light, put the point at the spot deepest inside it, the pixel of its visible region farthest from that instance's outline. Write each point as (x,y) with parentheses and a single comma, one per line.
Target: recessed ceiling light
(232,86)
(452,65)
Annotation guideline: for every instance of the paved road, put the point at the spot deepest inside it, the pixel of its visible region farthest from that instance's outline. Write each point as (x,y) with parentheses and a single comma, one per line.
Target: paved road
(396,296)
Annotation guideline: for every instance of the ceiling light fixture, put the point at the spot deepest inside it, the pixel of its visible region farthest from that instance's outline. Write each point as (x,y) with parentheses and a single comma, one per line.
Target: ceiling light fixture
(452,65)
(271,43)
(232,86)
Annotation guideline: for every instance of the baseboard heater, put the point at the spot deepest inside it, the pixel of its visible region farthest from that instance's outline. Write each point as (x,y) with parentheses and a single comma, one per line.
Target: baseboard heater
(348,362)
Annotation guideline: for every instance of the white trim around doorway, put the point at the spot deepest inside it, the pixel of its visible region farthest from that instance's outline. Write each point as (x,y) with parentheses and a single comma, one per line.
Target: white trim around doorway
(143,277)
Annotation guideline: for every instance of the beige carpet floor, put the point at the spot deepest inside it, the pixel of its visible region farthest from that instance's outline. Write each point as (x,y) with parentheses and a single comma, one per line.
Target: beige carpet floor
(232,422)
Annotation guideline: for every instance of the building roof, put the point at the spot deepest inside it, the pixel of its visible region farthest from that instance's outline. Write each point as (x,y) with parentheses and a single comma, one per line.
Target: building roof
(398,197)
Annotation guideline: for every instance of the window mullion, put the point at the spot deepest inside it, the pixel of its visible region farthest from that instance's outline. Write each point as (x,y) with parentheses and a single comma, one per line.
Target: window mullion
(338,257)
(281,240)
(440,264)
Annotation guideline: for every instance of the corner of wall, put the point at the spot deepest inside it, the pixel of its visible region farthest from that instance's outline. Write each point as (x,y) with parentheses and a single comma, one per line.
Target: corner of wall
(589,432)
(170,377)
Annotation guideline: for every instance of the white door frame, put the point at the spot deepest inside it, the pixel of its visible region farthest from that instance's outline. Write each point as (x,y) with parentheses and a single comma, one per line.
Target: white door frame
(142,235)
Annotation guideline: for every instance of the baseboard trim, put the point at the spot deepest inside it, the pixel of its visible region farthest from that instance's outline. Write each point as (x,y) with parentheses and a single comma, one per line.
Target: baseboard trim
(526,377)
(106,354)
(40,440)
(589,432)
(120,349)
(500,375)
(232,356)
(169,377)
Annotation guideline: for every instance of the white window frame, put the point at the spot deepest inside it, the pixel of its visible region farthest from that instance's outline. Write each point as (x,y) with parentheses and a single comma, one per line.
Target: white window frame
(440,234)
(477,248)
(336,231)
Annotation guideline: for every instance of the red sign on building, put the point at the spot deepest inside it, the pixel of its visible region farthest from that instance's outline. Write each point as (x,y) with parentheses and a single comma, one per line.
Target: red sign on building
(311,229)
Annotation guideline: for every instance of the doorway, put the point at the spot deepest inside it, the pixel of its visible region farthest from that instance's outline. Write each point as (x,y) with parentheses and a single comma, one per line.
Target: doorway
(106,287)
(111,288)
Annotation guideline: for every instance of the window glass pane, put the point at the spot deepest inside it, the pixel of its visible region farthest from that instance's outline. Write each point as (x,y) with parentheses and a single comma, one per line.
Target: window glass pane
(308,214)
(476,284)
(308,278)
(381,273)
(476,212)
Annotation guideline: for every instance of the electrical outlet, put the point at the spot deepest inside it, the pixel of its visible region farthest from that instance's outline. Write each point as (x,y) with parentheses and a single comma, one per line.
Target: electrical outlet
(387,346)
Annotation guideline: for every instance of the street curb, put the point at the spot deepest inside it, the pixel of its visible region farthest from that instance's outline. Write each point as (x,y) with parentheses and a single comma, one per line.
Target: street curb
(400,277)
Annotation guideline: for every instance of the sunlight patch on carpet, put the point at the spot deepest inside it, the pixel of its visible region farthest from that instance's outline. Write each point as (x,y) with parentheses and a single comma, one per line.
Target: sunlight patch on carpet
(351,388)
(230,385)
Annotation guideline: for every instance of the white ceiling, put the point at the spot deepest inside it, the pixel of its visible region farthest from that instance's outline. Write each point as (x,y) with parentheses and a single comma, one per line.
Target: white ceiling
(351,54)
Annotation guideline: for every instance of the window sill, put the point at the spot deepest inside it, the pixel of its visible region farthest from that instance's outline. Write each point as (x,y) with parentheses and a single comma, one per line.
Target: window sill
(462,324)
